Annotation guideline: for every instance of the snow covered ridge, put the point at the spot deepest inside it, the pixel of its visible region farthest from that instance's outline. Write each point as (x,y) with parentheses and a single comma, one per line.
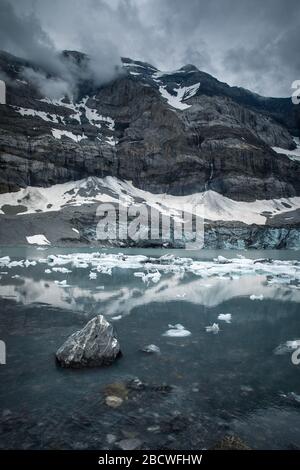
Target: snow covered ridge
(175,95)
(95,190)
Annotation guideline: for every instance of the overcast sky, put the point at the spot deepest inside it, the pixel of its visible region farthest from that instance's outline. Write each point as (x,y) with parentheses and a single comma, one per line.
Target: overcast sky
(250,43)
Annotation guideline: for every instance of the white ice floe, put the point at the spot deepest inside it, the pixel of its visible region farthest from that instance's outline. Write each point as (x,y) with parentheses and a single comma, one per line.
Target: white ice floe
(151,269)
(177,331)
(214,328)
(62,283)
(146,278)
(4,261)
(225,317)
(180,94)
(61,270)
(48,271)
(28,263)
(151,349)
(38,240)
(117,318)
(256,297)
(75,230)
(287,347)
(93,275)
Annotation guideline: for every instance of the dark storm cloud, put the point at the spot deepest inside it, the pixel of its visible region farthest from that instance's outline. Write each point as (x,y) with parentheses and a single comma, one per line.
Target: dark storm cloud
(250,43)
(22,34)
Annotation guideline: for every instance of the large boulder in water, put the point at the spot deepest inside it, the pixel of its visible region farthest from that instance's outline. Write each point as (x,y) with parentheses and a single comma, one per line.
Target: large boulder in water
(95,345)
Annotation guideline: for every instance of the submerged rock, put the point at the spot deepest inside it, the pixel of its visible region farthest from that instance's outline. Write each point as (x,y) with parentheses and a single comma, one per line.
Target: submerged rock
(151,349)
(95,345)
(113,401)
(231,443)
(129,444)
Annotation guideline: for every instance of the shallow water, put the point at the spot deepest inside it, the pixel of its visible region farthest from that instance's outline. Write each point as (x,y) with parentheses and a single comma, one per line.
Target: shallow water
(233,382)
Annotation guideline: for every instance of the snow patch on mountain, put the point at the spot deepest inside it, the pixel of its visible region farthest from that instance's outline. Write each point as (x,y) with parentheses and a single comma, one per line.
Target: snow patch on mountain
(38,240)
(211,205)
(181,94)
(292,154)
(58,134)
(41,114)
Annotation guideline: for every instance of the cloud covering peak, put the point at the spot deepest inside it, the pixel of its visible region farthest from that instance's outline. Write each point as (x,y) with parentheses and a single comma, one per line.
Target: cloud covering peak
(247,43)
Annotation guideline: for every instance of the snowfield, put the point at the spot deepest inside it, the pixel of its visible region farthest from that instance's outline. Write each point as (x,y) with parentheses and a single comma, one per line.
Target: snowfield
(210,204)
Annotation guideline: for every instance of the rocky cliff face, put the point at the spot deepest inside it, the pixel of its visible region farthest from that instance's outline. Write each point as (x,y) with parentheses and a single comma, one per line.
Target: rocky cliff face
(180,132)
(176,132)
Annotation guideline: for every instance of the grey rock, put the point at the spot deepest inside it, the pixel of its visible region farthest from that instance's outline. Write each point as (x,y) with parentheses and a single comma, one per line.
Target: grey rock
(95,345)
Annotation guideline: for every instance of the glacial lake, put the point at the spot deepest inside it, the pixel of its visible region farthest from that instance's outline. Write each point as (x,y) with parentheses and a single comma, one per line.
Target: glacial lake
(237,381)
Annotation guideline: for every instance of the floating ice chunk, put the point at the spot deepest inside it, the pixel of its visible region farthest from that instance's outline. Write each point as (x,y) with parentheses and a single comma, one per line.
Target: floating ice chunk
(225,317)
(177,331)
(154,277)
(16,264)
(38,240)
(287,347)
(214,328)
(256,297)
(291,396)
(62,283)
(93,275)
(61,270)
(16,276)
(75,230)
(151,349)
(295,397)
(178,326)
(29,263)
(4,261)
(81,264)
(146,278)
(222,260)
(181,296)
(48,271)
(117,317)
